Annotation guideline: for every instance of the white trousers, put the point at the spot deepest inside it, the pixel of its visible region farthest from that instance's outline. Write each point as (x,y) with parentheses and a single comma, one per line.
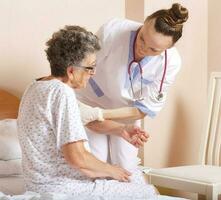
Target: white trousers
(113,149)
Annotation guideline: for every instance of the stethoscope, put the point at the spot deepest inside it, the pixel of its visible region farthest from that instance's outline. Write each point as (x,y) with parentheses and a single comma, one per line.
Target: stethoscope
(159,96)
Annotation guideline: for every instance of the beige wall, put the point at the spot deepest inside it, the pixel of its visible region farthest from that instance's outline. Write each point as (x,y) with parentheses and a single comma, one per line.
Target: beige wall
(134,10)
(214,39)
(27,24)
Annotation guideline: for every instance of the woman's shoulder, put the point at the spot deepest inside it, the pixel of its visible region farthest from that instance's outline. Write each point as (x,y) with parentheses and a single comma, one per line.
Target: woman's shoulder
(53,87)
(115,31)
(61,88)
(116,27)
(119,24)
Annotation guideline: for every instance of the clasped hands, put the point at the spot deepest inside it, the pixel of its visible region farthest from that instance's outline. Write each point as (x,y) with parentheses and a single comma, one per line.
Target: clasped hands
(134,135)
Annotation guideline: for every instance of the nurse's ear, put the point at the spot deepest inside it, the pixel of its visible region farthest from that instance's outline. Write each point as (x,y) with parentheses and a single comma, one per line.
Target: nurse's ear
(171,43)
(171,46)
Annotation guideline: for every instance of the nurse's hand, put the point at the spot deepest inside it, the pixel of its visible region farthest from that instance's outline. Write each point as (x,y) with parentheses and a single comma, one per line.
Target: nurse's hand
(90,114)
(134,135)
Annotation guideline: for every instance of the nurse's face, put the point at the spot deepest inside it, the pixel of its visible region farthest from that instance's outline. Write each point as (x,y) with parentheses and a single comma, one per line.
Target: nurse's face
(151,43)
(80,74)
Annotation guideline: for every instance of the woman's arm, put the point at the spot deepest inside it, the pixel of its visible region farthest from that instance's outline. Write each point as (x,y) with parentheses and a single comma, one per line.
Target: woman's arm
(108,126)
(79,158)
(93,118)
(131,133)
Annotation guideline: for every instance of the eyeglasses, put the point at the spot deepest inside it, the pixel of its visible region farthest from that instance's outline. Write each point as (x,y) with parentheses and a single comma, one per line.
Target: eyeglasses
(89,69)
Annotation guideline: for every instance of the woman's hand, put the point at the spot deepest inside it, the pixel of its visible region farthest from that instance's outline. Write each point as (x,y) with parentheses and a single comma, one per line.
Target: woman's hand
(119,173)
(79,158)
(134,135)
(131,133)
(112,171)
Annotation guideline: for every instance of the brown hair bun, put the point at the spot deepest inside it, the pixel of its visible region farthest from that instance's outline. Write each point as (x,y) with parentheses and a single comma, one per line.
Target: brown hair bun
(178,13)
(170,21)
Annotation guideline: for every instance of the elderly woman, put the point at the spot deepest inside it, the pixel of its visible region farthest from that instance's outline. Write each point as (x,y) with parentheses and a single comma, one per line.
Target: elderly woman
(55,155)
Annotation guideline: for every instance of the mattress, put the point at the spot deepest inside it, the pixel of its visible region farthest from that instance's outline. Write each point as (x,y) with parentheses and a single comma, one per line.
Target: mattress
(12,188)
(12,185)
(57,196)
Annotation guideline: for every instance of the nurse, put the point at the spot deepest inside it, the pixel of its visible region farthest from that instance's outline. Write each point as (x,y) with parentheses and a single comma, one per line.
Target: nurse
(135,68)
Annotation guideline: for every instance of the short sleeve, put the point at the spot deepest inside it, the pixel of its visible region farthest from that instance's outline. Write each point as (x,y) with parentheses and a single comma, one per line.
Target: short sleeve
(103,38)
(68,126)
(107,34)
(151,105)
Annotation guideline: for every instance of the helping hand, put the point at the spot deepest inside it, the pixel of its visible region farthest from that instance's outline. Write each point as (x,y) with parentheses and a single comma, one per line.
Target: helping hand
(89,114)
(134,135)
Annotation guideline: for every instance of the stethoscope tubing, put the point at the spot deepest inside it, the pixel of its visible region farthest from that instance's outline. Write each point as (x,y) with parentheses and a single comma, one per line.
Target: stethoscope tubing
(141,70)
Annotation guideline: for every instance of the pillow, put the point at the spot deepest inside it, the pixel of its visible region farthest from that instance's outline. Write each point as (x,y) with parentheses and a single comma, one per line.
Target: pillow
(9,145)
(12,185)
(11,167)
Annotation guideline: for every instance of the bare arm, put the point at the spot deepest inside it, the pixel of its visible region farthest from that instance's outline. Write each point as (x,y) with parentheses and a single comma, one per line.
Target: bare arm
(123,113)
(89,113)
(79,158)
(130,133)
(93,118)
(108,126)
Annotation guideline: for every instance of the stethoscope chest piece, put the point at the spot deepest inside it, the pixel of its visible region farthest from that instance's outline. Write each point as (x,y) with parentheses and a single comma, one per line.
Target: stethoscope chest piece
(159,96)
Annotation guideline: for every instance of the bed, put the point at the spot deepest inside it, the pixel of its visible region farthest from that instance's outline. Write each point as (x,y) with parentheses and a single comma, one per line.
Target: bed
(11,181)
(8,105)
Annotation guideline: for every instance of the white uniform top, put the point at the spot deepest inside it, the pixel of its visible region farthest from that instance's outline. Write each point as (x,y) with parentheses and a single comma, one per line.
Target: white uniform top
(110,86)
(49,118)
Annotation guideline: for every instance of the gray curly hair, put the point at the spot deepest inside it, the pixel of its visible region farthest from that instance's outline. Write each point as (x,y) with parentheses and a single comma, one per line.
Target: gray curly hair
(69,46)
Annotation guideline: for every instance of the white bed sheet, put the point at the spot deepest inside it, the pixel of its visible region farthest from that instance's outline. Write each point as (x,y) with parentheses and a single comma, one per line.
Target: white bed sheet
(12,188)
(47,196)
(12,185)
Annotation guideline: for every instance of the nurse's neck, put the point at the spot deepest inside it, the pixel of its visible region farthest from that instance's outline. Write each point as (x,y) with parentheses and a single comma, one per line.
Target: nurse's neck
(138,58)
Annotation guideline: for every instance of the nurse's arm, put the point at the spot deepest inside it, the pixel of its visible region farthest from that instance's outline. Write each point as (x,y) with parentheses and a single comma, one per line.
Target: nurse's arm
(79,158)
(123,113)
(89,114)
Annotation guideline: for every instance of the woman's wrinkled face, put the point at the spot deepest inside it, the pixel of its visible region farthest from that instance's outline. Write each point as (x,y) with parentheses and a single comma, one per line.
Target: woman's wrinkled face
(82,73)
(149,42)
